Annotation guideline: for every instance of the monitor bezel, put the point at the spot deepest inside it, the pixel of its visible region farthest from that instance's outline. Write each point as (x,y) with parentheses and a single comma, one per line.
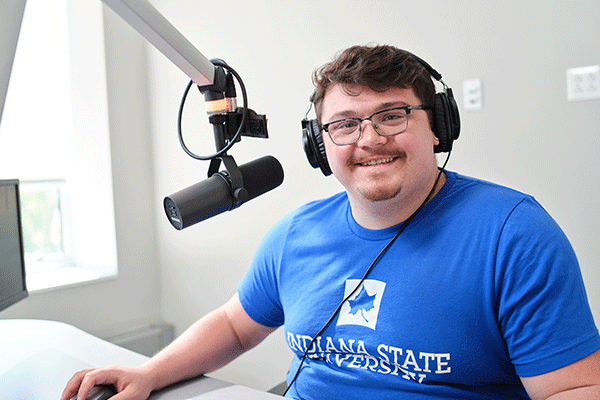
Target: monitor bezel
(23,292)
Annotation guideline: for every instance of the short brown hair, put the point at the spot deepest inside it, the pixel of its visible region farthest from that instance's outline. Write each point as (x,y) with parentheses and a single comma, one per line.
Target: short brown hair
(380,67)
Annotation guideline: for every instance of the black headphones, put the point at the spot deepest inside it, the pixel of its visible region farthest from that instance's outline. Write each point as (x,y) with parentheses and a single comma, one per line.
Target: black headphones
(446,125)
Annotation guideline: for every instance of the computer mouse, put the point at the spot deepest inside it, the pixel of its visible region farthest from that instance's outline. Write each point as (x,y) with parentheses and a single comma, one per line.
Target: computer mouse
(100,392)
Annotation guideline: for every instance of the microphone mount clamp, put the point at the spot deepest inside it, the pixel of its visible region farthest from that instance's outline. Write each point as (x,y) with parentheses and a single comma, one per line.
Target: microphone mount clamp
(229,123)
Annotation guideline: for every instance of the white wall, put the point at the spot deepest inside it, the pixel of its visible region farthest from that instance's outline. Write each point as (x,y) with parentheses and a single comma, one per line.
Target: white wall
(527,135)
(132,297)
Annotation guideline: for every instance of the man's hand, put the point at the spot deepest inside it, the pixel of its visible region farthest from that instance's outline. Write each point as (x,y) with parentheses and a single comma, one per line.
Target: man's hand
(131,383)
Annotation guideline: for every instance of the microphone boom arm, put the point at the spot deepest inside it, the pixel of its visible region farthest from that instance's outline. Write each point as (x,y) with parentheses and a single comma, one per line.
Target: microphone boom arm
(155,28)
(214,78)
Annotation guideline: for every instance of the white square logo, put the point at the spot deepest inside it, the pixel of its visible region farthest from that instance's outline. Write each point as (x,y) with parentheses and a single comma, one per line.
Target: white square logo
(362,308)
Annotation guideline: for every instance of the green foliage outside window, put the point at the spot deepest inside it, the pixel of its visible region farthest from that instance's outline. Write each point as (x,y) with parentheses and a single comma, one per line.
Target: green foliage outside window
(41,220)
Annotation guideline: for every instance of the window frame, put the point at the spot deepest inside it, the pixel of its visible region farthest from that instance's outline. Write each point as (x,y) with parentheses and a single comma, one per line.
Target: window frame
(88,202)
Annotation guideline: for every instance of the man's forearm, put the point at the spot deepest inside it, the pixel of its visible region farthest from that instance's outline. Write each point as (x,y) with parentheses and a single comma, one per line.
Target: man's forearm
(207,345)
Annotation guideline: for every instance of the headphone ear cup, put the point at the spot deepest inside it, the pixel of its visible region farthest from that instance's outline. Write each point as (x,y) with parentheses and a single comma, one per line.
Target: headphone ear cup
(440,124)
(313,145)
(446,121)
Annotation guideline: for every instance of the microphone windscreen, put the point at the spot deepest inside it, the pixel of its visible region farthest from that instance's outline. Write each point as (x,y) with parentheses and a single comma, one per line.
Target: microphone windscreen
(261,175)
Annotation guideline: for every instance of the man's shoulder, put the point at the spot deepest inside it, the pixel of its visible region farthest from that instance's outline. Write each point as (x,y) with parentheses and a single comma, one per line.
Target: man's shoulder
(320,207)
(476,198)
(463,185)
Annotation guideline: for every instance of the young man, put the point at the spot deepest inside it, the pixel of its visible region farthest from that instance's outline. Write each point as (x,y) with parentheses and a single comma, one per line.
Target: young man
(414,283)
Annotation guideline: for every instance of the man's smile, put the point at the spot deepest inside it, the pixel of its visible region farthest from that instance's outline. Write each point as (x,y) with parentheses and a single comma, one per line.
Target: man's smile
(375,160)
(380,161)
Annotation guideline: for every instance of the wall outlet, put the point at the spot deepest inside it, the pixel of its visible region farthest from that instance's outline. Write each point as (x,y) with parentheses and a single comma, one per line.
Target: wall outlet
(583,83)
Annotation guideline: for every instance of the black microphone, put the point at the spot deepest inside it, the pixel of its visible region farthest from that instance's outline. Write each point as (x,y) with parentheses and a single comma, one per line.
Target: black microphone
(213,196)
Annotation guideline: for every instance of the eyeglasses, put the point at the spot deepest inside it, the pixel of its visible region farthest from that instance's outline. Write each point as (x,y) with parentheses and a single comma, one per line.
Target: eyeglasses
(386,123)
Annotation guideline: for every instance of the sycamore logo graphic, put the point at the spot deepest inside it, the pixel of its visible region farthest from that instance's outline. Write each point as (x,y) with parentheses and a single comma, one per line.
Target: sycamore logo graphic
(362,303)
(363,308)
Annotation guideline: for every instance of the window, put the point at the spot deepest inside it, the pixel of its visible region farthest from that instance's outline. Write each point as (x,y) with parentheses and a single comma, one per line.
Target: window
(42,221)
(55,123)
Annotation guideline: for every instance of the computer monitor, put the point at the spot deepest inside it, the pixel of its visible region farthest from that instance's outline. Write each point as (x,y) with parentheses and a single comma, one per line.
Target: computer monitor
(10,26)
(12,264)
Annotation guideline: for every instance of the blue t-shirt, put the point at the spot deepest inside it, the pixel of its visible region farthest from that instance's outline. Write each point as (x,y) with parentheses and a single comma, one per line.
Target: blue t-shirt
(480,288)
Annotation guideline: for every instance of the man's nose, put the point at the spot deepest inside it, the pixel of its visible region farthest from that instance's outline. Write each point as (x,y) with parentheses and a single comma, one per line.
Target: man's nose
(369,136)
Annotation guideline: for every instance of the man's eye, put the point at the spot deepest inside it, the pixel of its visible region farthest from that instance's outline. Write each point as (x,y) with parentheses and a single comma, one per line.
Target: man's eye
(395,115)
(346,125)
(392,118)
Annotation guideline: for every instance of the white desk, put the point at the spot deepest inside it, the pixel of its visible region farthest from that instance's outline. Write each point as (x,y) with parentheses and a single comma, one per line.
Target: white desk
(37,358)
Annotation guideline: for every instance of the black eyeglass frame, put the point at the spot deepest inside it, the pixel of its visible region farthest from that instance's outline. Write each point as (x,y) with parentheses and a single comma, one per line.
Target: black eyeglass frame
(325,127)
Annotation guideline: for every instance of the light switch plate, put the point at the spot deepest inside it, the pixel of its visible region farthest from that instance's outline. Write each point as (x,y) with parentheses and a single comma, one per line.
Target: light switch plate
(473,94)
